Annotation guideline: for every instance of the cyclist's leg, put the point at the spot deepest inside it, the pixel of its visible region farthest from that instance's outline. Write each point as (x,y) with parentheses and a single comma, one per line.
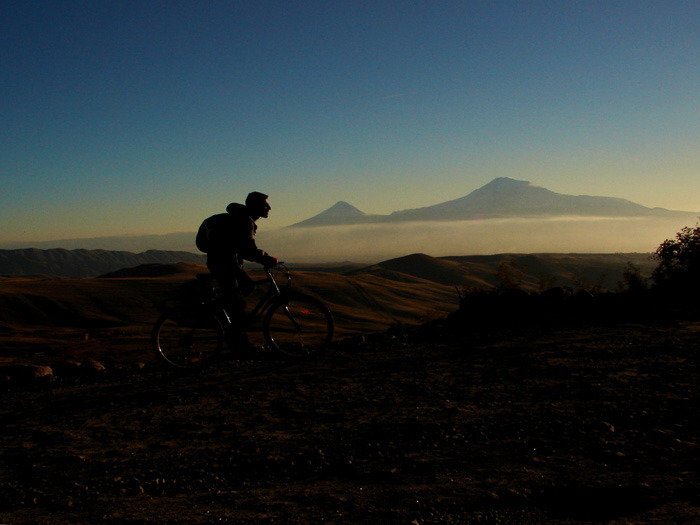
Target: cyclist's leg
(225,270)
(235,305)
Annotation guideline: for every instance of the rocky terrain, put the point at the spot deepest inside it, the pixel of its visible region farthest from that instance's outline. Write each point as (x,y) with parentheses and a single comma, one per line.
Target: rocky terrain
(453,421)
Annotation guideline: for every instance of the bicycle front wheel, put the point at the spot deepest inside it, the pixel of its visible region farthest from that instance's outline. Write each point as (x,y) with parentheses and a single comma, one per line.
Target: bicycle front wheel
(298,325)
(187,339)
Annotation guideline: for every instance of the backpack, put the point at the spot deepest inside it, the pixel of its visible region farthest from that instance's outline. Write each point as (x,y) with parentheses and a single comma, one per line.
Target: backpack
(210,230)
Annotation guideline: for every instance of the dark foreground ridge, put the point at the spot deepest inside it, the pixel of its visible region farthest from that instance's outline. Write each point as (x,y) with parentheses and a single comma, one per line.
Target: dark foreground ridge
(573,420)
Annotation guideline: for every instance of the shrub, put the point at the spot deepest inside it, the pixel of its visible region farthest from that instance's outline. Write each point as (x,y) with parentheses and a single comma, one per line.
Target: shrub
(510,275)
(545,282)
(632,280)
(582,284)
(679,261)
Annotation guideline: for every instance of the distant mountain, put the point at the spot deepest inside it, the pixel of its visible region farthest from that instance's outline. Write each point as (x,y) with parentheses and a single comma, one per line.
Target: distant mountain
(85,263)
(532,220)
(503,197)
(340,213)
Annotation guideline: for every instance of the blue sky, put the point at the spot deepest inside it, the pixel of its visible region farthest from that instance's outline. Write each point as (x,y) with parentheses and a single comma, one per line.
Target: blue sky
(134,117)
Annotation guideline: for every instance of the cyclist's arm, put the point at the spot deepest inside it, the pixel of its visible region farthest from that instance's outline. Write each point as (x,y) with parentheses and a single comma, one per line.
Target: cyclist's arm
(250,251)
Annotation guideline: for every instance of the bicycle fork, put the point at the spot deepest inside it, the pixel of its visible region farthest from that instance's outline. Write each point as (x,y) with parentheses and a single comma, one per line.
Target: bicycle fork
(291,317)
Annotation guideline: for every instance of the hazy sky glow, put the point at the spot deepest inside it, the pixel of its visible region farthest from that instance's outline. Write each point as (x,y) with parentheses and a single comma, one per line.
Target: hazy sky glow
(131,117)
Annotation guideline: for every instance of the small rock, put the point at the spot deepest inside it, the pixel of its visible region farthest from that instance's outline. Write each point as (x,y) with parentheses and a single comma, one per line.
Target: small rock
(27,372)
(92,366)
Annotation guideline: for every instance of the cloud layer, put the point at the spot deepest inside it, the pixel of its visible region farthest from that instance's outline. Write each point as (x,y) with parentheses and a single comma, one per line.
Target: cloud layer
(373,243)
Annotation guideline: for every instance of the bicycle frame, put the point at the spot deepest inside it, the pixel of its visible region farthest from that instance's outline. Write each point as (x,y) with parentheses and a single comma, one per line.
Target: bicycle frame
(291,323)
(265,302)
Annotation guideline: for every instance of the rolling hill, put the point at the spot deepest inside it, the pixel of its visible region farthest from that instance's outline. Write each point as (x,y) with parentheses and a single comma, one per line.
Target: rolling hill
(472,270)
(534,271)
(54,316)
(110,318)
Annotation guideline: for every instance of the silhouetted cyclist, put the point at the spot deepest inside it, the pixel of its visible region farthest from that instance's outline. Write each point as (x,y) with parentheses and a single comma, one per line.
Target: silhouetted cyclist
(227,239)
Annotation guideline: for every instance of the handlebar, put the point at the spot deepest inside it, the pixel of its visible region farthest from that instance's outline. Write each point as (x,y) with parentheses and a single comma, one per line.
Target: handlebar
(272,271)
(279,267)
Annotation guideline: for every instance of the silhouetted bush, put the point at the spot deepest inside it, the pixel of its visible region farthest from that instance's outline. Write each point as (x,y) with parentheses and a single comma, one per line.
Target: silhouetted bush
(583,284)
(632,280)
(673,296)
(510,275)
(679,262)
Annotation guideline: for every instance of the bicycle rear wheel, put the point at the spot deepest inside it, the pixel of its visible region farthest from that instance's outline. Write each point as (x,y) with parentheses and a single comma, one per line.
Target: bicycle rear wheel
(298,325)
(187,339)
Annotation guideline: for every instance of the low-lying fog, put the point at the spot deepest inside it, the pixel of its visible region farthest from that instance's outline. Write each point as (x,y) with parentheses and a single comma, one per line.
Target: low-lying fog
(377,242)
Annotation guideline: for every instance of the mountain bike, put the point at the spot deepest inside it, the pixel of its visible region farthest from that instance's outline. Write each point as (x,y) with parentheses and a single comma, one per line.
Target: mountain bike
(292,323)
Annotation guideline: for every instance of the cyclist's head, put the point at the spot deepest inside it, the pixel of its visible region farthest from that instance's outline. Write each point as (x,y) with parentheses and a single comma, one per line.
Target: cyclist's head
(257,204)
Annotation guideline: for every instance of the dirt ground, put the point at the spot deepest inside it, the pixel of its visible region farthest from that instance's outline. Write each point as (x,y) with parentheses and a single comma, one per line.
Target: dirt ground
(596,423)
